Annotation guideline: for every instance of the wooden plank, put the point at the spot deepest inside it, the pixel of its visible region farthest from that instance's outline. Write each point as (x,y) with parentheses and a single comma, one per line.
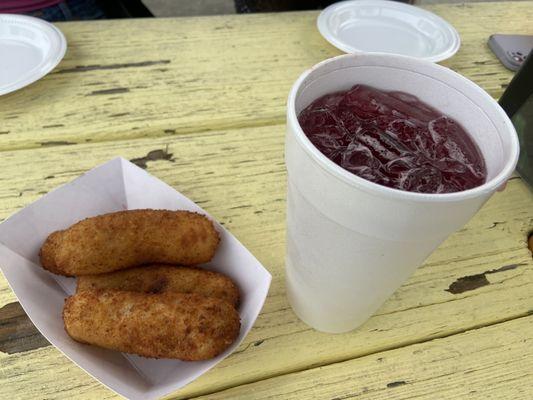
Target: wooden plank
(239,177)
(489,363)
(152,78)
(17,333)
(47,374)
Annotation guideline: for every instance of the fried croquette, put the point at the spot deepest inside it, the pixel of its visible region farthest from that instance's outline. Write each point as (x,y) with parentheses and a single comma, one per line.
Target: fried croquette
(184,326)
(126,239)
(163,279)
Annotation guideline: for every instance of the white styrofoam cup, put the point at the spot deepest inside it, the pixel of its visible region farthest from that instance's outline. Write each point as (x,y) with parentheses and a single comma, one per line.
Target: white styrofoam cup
(350,242)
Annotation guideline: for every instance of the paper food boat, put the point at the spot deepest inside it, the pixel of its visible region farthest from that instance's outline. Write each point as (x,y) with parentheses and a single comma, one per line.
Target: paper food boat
(114,186)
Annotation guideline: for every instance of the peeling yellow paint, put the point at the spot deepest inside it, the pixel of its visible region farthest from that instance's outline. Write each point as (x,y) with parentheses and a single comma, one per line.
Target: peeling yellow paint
(217,106)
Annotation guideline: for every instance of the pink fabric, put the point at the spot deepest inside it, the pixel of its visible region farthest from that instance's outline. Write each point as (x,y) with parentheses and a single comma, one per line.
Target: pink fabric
(21,6)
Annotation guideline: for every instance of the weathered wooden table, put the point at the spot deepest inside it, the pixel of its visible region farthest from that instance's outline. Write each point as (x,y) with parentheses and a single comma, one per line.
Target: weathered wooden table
(200,103)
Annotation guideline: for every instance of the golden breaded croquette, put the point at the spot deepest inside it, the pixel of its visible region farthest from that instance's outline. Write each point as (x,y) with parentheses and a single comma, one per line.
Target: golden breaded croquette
(163,279)
(125,239)
(48,251)
(188,327)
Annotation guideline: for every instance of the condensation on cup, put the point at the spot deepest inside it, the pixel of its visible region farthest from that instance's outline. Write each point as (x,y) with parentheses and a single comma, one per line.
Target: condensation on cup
(350,242)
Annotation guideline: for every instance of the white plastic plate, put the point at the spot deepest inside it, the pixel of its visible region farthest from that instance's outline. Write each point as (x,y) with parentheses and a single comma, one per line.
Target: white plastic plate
(383,26)
(29,49)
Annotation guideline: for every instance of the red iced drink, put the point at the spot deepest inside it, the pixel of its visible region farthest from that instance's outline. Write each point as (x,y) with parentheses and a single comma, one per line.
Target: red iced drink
(395,140)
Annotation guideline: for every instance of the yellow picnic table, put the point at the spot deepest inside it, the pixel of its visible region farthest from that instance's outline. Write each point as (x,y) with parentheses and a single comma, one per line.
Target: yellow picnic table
(200,103)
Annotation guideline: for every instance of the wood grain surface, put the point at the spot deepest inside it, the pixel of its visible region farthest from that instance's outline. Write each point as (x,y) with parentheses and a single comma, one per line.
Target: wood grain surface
(162,77)
(245,190)
(488,363)
(462,321)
